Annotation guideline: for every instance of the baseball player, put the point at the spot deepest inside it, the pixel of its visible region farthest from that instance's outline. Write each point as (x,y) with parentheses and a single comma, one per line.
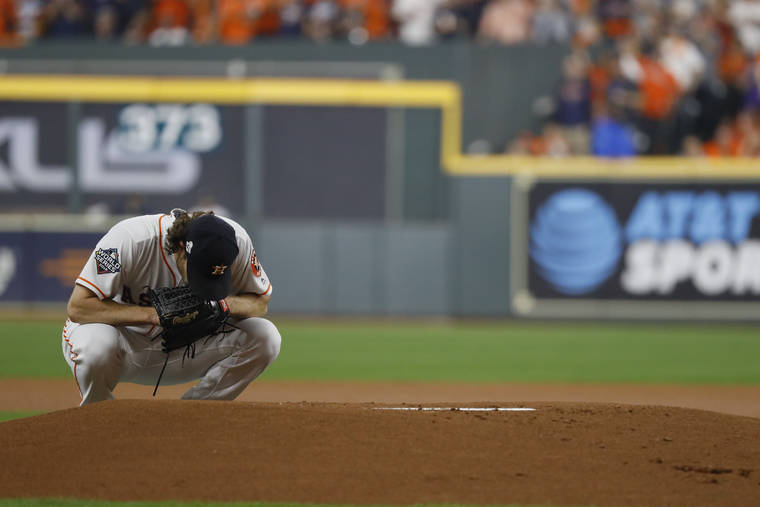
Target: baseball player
(110,335)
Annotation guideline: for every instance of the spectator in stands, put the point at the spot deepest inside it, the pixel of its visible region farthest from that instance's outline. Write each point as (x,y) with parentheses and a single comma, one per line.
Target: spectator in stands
(551,24)
(9,23)
(204,27)
(448,25)
(170,23)
(321,23)
(573,102)
(745,17)
(459,18)
(415,20)
(375,17)
(507,21)
(692,147)
(615,18)
(29,20)
(682,60)
(292,13)
(611,136)
(659,93)
(521,145)
(236,21)
(746,134)
(732,68)
(752,95)
(555,142)
(723,144)
(64,19)
(105,24)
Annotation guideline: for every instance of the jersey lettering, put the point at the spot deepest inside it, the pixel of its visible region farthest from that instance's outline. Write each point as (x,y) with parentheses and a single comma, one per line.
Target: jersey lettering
(145,300)
(126,295)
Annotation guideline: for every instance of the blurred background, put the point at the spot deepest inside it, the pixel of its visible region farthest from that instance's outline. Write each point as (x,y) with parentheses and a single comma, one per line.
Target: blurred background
(585,159)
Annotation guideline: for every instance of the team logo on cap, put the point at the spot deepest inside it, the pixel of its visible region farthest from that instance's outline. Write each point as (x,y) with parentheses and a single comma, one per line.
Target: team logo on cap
(219,270)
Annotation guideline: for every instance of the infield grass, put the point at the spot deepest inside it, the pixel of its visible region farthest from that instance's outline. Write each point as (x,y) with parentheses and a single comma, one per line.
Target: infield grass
(503,351)
(9,416)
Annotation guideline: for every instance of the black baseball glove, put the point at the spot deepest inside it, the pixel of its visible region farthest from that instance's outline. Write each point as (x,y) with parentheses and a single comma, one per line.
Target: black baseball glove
(186,318)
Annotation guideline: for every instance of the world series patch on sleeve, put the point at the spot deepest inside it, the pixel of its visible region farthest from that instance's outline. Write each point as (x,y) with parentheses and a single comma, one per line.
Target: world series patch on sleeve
(107,260)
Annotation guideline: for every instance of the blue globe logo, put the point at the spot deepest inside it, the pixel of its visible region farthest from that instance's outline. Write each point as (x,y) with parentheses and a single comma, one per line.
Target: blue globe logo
(575,241)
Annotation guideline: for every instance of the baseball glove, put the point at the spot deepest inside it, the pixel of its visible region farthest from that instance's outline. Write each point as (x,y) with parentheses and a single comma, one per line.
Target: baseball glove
(186,318)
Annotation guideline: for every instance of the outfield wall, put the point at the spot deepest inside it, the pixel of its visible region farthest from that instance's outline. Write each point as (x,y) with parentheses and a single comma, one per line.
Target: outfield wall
(534,248)
(352,172)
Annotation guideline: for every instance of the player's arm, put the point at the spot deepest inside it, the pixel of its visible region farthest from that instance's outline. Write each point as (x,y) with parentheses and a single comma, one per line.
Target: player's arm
(86,308)
(248,305)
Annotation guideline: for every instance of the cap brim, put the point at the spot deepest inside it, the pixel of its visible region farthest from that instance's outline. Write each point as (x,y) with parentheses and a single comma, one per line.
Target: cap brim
(206,287)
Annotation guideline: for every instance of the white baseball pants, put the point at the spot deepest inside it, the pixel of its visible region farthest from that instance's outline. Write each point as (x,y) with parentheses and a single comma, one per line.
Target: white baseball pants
(101,356)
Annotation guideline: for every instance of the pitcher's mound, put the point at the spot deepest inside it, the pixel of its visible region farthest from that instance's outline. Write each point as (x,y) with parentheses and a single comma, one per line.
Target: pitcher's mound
(559,454)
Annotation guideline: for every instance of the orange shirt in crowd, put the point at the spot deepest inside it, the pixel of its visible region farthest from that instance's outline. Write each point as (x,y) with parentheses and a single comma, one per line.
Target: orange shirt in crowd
(659,90)
(242,20)
(235,25)
(375,15)
(203,20)
(600,80)
(171,13)
(580,7)
(8,22)
(713,148)
(731,63)
(617,28)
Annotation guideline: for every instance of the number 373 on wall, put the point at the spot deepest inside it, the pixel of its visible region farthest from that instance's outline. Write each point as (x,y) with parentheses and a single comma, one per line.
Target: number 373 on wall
(161,127)
(162,143)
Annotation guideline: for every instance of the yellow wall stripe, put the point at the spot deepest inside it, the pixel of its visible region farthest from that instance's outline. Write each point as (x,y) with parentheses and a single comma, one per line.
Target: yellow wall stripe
(442,95)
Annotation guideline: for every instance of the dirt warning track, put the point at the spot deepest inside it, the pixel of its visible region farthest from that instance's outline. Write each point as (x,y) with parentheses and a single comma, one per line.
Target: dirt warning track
(559,454)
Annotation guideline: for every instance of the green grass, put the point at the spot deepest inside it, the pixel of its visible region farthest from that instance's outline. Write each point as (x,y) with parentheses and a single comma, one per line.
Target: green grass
(9,416)
(508,351)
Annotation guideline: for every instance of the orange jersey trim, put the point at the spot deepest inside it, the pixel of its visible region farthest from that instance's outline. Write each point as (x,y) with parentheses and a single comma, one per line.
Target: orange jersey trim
(73,360)
(92,285)
(269,287)
(149,330)
(161,248)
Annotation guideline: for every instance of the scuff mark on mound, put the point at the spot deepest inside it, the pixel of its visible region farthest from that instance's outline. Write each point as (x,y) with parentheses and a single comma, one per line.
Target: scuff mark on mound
(563,453)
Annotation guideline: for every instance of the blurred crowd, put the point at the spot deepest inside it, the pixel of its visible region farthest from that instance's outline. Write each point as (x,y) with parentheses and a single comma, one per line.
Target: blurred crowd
(658,77)
(179,22)
(641,76)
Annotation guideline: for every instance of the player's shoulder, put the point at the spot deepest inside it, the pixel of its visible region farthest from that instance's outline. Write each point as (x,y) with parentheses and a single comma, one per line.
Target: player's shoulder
(240,233)
(139,228)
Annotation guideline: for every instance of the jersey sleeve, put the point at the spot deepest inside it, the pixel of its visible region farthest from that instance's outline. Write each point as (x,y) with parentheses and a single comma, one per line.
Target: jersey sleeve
(106,268)
(248,275)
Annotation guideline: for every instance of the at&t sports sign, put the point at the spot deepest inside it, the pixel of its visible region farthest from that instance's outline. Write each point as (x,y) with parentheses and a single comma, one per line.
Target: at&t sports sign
(636,249)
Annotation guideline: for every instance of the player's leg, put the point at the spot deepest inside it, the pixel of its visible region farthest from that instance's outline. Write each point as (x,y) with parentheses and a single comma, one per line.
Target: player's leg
(242,355)
(95,357)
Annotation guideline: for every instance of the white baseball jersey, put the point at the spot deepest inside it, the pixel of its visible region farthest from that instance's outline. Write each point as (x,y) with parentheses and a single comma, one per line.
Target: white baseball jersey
(130,258)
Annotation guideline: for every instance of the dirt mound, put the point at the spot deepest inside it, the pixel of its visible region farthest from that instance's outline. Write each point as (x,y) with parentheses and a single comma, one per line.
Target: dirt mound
(562,453)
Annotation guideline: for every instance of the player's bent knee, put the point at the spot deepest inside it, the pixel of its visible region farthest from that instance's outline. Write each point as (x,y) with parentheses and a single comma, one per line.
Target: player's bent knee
(263,335)
(96,344)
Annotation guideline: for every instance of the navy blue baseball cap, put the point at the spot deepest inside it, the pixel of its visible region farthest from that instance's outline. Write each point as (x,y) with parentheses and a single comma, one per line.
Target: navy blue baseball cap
(211,248)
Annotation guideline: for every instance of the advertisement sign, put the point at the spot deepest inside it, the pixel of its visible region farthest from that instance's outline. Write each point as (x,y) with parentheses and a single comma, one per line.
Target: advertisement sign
(41,267)
(624,249)
(132,158)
